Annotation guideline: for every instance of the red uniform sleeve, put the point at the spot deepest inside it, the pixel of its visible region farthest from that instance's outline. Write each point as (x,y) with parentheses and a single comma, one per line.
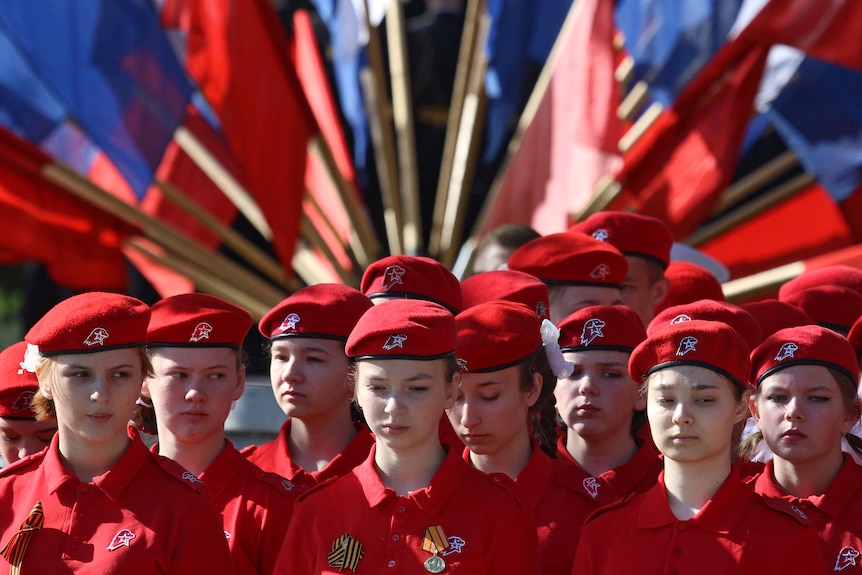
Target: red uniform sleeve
(200,545)
(298,552)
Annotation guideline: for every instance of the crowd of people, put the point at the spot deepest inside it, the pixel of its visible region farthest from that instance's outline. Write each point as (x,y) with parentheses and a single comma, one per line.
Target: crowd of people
(582,405)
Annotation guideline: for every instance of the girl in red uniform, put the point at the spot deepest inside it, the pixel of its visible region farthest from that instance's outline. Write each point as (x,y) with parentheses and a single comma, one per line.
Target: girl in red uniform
(21,434)
(194,343)
(699,518)
(97,501)
(413,506)
(323,436)
(805,404)
(600,405)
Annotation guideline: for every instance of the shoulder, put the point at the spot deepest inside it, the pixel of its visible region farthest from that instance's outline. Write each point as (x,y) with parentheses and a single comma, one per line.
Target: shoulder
(331,488)
(626,503)
(786,508)
(275,482)
(503,486)
(179,475)
(25,465)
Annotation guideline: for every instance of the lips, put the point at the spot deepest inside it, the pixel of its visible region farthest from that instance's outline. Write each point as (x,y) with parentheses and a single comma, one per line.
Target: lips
(393,429)
(587,409)
(100,417)
(474,438)
(793,434)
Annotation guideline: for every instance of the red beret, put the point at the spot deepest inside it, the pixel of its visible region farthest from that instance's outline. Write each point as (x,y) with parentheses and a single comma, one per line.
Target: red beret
(496,335)
(90,322)
(800,345)
(689,282)
(855,337)
(710,310)
(832,306)
(508,285)
(412,277)
(773,315)
(197,320)
(571,258)
(632,234)
(710,344)
(602,327)
(403,329)
(839,275)
(327,311)
(17,385)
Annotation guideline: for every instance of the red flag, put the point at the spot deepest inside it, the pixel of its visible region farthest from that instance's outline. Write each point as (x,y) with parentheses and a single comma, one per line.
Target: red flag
(572,140)
(78,243)
(238,55)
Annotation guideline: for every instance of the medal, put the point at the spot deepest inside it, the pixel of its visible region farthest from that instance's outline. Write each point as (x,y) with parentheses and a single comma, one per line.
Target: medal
(434,542)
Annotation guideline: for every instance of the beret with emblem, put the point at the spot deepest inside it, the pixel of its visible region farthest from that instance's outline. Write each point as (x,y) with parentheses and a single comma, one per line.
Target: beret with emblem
(497,334)
(689,282)
(710,344)
(91,322)
(412,277)
(197,320)
(803,345)
(17,384)
(633,234)
(403,329)
(507,285)
(602,327)
(326,311)
(710,310)
(773,315)
(571,258)
(832,306)
(855,337)
(838,275)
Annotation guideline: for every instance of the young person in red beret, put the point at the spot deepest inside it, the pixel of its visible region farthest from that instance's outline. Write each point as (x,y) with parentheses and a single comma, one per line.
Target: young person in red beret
(194,341)
(646,243)
(689,282)
(579,271)
(507,285)
(21,434)
(411,277)
(97,501)
(498,415)
(324,436)
(699,518)
(805,405)
(413,506)
(600,405)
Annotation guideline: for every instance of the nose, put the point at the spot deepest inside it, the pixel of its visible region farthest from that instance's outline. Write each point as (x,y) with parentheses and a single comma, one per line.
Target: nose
(682,414)
(99,389)
(794,410)
(195,392)
(290,371)
(469,414)
(394,404)
(587,385)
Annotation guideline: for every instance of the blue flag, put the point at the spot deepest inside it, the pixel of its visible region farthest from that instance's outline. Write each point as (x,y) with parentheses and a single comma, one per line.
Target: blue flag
(110,66)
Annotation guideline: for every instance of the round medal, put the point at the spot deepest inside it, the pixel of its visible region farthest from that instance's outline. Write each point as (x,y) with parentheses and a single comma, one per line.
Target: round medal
(435,564)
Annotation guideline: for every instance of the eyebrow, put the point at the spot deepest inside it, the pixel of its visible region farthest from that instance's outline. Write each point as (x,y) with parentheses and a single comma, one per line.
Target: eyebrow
(695,387)
(417,377)
(89,367)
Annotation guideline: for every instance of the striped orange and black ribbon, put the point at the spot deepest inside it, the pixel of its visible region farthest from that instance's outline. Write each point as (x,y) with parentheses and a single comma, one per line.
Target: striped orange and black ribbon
(14,550)
(435,540)
(346,553)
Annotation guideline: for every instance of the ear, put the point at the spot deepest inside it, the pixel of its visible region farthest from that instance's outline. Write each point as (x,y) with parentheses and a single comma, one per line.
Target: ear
(532,396)
(745,406)
(46,392)
(659,289)
(452,389)
(640,401)
(145,388)
(240,383)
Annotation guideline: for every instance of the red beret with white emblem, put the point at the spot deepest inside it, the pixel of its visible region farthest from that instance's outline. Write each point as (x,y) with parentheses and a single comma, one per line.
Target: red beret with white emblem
(412,277)
(832,306)
(497,334)
(803,345)
(633,234)
(602,327)
(17,385)
(403,329)
(197,320)
(91,322)
(855,337)
(689,282)
(710,310)
(773,315)
(839,275)
(571,258)
(327,311)
(507,285)
(710,344)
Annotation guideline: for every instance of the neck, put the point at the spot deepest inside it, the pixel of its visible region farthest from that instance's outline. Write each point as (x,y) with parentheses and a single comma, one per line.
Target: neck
(690,485)
(598,455)
(807,478)
(86,460)
(406,472)
(511,459)
(314,443)
(194,456)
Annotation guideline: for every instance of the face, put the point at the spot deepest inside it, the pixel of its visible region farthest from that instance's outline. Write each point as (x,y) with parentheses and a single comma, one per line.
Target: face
(22,437)
(403,399)
(692,411)
(192,390)
(639,293)
(490,409)
(309,377)
(599,398)
(802,413)
(94,394)
(566,300)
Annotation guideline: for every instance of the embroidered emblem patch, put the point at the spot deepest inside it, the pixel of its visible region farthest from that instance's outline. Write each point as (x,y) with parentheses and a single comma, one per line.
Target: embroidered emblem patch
(392,277)
(591,485)
(201,331)
(395,340)
(289,322)
(97,336)
(688,343)
(846,558)
(592,330)
(123,538)
(786,351)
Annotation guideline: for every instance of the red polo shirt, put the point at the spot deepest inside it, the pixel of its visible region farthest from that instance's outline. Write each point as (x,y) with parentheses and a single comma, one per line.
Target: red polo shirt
(637,475)
(487,527)
(735,532)
(837,513)
(143,516)
(256,507)
(274,456)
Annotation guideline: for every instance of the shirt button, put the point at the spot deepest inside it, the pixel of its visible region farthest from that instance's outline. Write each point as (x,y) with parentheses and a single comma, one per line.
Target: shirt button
(677,551)
(391,564)
(401,509)
(682,526)
(395,537)
(496,480)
